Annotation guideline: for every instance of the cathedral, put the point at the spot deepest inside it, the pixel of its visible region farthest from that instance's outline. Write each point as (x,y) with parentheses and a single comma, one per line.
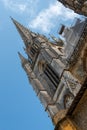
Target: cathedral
(57,71)
(79,6)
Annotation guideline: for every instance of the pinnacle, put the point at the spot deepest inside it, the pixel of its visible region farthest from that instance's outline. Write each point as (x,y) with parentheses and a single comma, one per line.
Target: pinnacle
(23,59)
(13,20)
(24,32)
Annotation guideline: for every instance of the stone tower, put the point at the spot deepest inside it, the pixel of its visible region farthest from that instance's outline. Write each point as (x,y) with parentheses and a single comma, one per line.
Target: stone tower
(57,70)
(79,6)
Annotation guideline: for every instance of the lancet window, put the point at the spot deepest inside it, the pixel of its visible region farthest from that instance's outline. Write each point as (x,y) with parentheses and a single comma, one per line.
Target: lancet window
(48,70)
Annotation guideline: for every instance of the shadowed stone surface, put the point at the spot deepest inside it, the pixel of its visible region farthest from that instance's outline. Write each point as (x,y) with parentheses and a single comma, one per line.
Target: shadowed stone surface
(80,113)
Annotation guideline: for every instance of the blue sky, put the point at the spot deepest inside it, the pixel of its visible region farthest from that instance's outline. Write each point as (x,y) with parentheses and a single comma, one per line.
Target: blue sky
(20,109)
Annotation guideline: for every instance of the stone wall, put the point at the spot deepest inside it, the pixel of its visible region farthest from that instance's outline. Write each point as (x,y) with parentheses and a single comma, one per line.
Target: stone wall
(79,6)
(80,113)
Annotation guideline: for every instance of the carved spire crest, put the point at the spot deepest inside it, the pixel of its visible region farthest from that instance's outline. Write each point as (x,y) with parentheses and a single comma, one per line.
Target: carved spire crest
(24,33)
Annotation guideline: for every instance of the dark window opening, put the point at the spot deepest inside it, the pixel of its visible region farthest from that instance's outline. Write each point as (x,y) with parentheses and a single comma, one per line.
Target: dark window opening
(52,75)
(34,49)
(29,59)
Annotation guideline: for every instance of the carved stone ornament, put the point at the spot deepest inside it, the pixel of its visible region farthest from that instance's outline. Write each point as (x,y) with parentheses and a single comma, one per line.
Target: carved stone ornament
(41,65)
(68,98)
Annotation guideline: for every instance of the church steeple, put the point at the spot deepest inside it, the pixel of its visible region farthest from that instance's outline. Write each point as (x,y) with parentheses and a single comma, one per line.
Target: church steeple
(41,67)
(24,32)
(29,40)
(56,76)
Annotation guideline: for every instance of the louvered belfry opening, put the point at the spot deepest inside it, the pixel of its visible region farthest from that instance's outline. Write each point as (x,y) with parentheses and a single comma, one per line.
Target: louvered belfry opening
(34,49)
(52,75)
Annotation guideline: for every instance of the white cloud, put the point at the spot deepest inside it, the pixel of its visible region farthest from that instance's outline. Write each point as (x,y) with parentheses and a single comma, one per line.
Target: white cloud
(14,6)
(47,18)
(20,6)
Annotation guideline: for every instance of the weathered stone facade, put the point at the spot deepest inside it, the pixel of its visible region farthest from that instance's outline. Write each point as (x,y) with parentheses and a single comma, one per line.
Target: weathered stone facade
(79,6)
(57,72)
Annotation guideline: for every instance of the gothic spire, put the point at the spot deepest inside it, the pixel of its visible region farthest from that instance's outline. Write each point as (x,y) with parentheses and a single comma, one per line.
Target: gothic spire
(23,60)
(26,65)
(24,32)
